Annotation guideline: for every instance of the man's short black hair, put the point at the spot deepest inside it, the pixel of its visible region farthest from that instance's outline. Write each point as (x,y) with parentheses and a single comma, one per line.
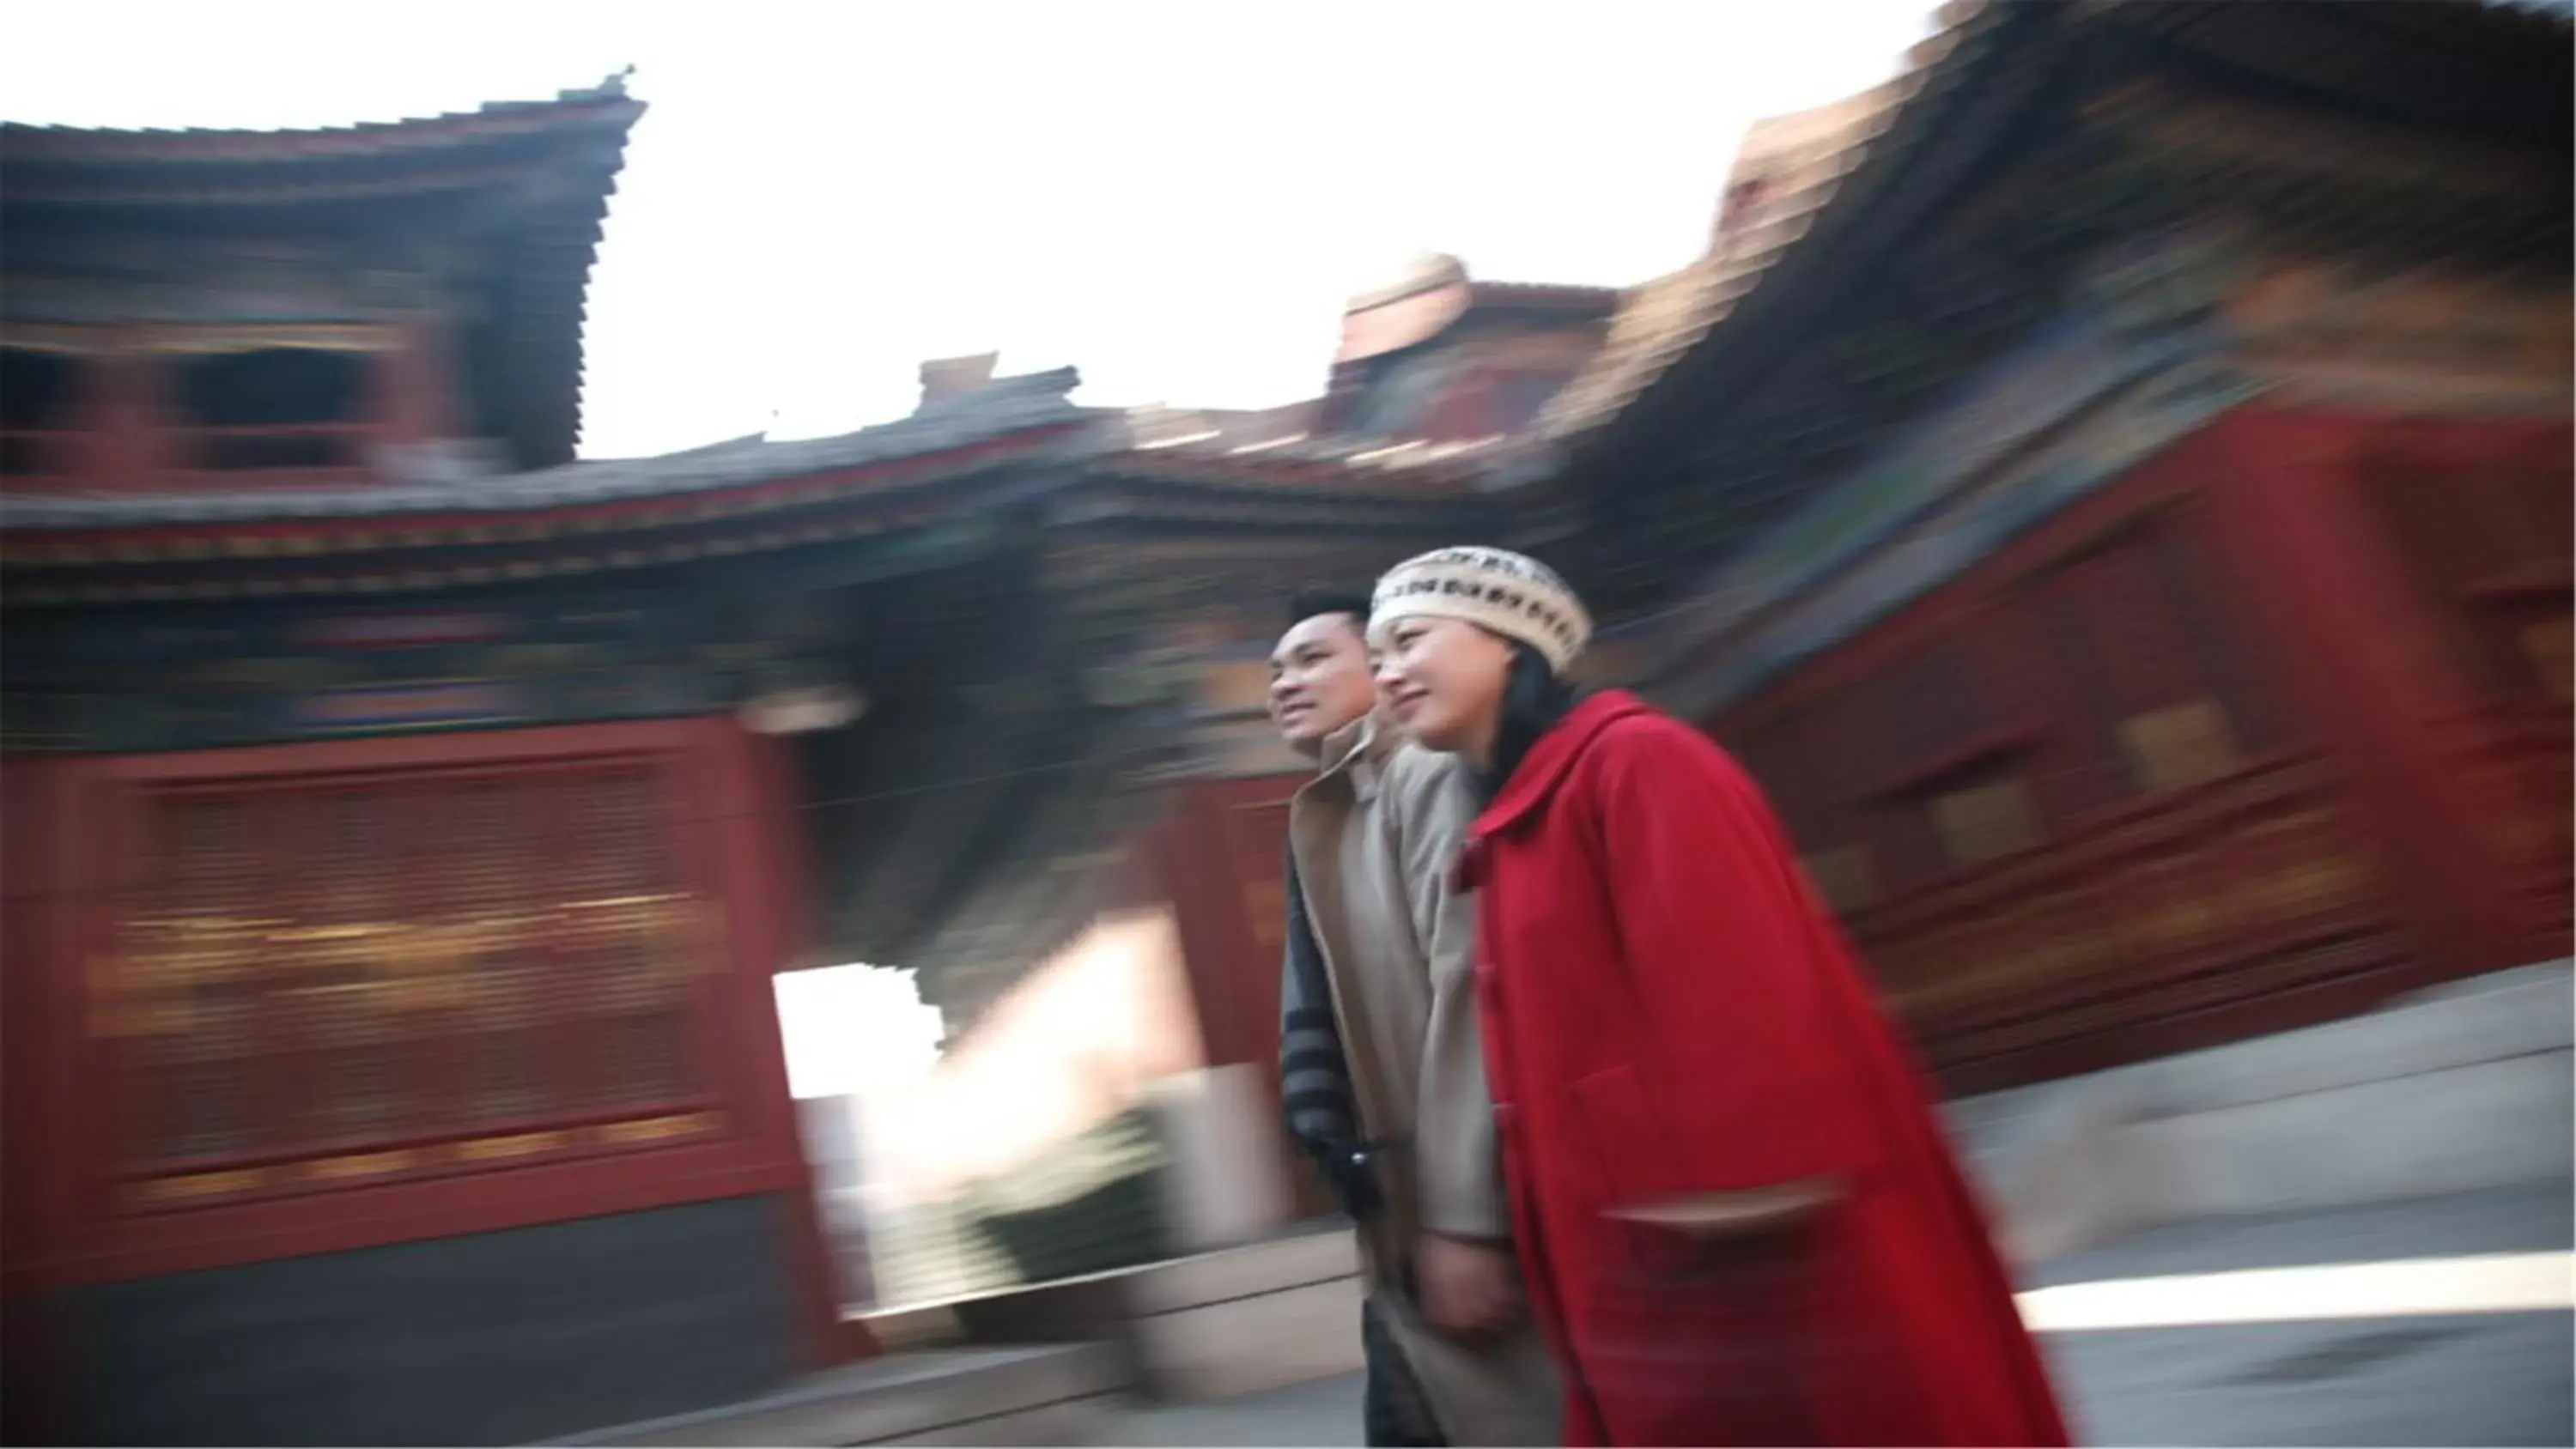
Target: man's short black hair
(1312,602)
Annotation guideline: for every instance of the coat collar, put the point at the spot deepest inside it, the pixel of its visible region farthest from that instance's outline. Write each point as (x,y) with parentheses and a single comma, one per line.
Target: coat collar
(1546,764)
(1359,750)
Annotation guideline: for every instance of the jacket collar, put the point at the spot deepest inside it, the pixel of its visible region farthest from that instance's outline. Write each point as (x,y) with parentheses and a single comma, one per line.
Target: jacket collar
(1546,764)
(1359,750)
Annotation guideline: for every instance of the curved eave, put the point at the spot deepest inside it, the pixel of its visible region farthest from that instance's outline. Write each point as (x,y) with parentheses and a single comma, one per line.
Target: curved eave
(287,534)
(721,502)
(47,166)
(1317,499)
(547,372)
(1029,410)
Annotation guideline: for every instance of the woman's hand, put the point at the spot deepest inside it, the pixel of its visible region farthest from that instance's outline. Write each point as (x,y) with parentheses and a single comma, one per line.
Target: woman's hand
(1468,1290)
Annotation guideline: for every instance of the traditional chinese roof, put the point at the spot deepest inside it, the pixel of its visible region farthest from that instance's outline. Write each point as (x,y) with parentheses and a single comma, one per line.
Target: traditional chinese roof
(1317,466)
(197,166)
(1665,317)
(526,183)
(1436,298)
(1009,406)
(1044,753)
(1160,426)
(2453,69)
(1966,200)
(745,496)
(1435,305)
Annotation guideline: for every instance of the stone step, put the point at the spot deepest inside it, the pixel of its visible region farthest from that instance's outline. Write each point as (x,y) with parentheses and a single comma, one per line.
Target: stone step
(1029,1394)
(1244,1322)
(2462,1089)
(1211,1325)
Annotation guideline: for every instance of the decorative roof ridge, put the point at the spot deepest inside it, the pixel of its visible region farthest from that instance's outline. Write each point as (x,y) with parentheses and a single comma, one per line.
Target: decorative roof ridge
(1009,406)
(1057,383)
(37,141)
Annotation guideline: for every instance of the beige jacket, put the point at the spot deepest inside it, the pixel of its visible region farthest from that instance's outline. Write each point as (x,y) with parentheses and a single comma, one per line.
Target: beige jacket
(1374,835)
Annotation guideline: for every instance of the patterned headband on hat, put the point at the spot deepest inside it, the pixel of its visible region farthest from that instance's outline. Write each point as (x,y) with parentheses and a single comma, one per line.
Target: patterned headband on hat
(1514,596)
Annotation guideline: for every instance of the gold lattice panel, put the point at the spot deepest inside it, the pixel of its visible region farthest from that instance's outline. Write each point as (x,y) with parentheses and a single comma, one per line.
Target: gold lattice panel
(1845,879)
(2180,745)
(1985,821)
(339,981)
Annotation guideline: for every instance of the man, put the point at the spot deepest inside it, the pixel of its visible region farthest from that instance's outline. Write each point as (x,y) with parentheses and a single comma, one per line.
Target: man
(1382,1071)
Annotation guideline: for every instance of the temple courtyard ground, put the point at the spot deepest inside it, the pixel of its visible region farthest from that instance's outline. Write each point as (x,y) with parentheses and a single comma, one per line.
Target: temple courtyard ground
(2445,1322)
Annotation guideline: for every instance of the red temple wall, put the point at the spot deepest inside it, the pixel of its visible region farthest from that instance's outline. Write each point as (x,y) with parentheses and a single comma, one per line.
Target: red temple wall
(1219,857)
(2263,733)
(1219,854)
(2422,609)
(2191,761)
(639,869)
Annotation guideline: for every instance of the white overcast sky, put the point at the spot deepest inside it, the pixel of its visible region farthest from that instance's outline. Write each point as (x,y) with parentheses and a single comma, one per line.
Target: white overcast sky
(1173,197)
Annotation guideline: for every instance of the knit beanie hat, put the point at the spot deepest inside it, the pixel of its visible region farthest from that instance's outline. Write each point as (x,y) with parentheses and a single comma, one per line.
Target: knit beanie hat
(1512,595)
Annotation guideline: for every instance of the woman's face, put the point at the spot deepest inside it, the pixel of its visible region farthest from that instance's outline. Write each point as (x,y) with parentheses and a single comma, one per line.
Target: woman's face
(1444,679)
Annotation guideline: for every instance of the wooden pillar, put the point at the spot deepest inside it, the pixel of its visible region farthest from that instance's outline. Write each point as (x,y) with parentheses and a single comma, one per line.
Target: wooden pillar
(414,387)
(38,838)
(1215,891)
(1220,855)
(129,420)
(762,850)
(2368,666)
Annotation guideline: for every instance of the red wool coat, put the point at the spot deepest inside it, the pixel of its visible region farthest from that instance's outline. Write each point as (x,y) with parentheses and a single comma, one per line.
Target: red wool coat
(1668,1013)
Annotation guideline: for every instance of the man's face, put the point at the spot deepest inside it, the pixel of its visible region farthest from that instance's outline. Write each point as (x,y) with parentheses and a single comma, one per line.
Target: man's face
(1319,679)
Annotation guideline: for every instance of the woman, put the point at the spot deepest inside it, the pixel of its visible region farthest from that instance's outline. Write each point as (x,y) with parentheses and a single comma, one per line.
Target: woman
(1738,1221)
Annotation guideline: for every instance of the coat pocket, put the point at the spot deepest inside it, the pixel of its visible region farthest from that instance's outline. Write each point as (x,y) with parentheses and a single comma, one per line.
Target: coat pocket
(1632,1157)
(1636,1161)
